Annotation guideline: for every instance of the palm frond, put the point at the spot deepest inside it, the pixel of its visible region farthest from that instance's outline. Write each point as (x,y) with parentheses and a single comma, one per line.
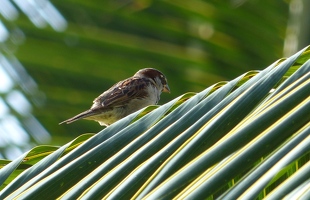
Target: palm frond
(246,138)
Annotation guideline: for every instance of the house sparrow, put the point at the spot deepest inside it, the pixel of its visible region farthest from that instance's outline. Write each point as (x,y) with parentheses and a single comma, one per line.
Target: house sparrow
(126,97)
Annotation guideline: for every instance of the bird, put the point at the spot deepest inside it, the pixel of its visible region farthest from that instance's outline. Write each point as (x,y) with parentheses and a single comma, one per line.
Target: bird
(125,97)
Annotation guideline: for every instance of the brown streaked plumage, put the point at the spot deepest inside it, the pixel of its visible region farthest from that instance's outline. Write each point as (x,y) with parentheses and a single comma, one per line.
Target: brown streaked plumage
(126,97)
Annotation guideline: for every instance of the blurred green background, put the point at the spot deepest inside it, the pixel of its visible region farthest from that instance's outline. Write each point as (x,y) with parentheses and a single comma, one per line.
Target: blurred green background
(75,50)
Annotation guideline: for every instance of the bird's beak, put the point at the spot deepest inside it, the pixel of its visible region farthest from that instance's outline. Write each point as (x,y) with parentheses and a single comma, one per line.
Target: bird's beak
(166,89)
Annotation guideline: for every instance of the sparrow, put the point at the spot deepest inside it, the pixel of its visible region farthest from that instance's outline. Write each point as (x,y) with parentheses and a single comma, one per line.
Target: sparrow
(125,97)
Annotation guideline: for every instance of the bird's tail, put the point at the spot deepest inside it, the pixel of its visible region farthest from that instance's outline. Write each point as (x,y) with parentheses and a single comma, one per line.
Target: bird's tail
(82,115)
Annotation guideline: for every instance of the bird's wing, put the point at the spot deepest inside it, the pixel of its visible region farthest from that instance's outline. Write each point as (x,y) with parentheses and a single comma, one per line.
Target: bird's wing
(122,92)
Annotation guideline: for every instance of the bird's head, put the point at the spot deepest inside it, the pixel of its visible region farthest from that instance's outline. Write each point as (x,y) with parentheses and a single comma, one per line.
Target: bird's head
(159,78)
